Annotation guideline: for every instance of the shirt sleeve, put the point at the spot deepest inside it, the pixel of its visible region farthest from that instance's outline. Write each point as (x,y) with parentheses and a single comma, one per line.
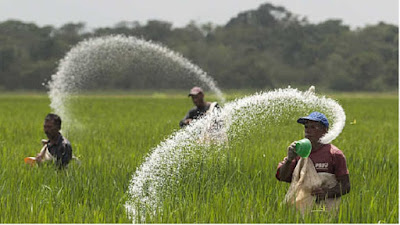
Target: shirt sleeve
(189,115)
(67,154)
(340,164)
(292,166)
(182,122)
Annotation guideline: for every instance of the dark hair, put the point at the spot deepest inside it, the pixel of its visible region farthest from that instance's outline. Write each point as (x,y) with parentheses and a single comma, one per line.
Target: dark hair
(55,118)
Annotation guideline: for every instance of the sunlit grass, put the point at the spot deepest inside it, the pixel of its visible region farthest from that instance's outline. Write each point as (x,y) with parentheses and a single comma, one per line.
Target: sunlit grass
(235,185)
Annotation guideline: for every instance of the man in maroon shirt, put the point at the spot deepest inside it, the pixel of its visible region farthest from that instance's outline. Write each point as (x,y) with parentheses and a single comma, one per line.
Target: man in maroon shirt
(326,158)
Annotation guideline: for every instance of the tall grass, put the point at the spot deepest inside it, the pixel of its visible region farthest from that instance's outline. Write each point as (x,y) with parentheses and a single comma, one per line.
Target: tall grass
(234,185)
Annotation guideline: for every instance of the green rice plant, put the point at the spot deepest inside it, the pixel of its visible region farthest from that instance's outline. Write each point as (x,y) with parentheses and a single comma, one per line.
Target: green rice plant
(233,184)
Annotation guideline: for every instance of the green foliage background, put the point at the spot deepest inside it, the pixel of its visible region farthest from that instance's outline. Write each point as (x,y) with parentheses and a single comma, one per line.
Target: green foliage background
(115,132)
(268,47)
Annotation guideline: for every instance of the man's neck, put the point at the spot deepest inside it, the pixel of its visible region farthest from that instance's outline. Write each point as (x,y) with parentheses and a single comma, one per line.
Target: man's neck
(202,105)
(316,146)
(54,139)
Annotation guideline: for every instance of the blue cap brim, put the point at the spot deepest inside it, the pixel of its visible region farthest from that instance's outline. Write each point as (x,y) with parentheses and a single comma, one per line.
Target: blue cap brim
(303,120)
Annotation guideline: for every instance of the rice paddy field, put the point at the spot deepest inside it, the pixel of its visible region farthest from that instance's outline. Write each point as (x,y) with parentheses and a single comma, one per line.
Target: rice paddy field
(113,134)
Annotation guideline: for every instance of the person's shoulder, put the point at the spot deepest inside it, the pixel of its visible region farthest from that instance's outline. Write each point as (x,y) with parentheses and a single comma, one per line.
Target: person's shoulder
(216,104)
(213,105)
(192,110)
(65,141)
(335,150)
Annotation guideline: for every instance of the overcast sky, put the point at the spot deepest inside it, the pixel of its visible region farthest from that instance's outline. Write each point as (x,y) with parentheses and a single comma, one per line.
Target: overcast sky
(106,13)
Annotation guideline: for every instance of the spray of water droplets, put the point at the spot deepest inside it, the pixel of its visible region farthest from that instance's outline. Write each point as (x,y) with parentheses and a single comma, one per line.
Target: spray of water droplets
(95,58)
(99,58)
(152,180)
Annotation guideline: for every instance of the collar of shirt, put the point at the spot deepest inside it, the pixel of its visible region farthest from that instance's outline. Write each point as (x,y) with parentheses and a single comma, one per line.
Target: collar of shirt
(59,140)
(204,108)
(319,149)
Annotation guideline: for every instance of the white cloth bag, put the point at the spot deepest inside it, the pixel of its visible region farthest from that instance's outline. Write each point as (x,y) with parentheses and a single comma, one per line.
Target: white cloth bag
(304,179)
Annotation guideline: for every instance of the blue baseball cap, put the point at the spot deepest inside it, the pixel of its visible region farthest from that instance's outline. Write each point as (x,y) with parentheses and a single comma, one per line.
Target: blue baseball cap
(315,116)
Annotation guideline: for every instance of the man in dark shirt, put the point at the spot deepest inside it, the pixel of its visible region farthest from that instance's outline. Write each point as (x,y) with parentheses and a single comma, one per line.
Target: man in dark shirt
(57,148)
(200,109)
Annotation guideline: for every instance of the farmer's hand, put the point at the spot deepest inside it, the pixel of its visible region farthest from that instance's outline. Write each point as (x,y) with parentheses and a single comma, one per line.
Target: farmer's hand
(291,154)
(38,158)
(319,193)
(44,141)
(187,121)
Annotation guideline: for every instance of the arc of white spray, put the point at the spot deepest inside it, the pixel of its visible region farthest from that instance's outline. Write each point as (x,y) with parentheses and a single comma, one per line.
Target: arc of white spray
(147,185)
(65,82)
(308,98)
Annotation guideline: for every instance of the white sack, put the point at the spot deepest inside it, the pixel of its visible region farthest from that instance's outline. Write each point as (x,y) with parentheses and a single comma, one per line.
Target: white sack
(304,179)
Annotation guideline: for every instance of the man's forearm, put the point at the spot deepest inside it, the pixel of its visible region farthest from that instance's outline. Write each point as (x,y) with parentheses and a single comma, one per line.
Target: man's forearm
(342,188)
(285,171)
(42,152)
(336,191)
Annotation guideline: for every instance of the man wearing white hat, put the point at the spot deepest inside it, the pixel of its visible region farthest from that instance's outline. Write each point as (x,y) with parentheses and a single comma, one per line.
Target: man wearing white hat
(200,109)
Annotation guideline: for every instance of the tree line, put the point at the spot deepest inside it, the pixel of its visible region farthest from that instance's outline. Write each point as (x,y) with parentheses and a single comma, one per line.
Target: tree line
(268,47)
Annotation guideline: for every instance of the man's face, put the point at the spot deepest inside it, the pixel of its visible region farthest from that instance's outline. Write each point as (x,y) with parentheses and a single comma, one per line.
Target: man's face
(198,99)
(314,130)
(50,129)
